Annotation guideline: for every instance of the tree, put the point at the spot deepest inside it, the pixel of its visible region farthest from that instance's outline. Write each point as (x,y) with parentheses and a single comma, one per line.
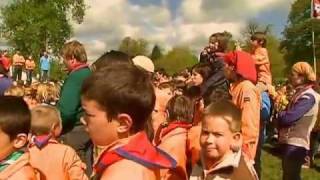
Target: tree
(178,59)
(249,31)
(134,47)
(32,26)
(276,57)
(297,41)
(57,71)
(156,53)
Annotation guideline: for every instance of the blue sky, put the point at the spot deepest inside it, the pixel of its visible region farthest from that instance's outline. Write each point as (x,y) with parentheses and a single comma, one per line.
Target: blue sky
(172,22)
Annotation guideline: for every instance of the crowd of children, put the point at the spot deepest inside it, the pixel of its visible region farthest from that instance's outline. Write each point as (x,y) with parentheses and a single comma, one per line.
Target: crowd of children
(121,119)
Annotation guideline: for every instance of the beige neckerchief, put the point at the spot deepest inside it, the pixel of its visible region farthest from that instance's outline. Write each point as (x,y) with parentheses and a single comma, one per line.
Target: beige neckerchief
(231,160)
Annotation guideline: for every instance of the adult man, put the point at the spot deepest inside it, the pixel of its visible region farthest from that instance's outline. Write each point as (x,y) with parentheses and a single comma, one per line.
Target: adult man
(69,105)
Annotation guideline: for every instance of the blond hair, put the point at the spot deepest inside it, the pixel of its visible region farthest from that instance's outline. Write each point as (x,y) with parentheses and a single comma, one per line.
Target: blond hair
(43,118)
(227,111)
(47,93)
(17,91)
(74,50)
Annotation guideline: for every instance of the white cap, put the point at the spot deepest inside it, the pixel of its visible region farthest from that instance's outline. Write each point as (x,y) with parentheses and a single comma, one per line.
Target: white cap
(144,62)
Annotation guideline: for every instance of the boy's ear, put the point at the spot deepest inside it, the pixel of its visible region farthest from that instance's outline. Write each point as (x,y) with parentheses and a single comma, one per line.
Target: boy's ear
(167,114)
(56,129)
(20,140)
(236,142)
(125,123)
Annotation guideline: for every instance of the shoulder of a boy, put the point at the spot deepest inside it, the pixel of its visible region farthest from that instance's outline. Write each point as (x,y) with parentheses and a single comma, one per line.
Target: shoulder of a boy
(115,171)
(70,157)
(246,170)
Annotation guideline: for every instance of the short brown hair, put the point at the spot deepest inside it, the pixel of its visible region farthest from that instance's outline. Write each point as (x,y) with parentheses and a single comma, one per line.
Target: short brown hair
(15,116)
(228,111)
(180,108)
(222,40)
(204,69)
(74,49)
(122,88)
(42,119)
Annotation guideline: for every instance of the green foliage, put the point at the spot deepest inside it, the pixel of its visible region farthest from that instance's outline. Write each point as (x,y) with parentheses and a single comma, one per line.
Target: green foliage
(32,26)
(272,170)
(156,53)
(57,71)
(297,42)
(276,58)
(134,47)
(176,60)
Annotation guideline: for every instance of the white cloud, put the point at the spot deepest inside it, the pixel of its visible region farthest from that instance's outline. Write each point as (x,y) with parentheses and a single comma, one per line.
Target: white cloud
(110,21)
(106,23)
(194,11)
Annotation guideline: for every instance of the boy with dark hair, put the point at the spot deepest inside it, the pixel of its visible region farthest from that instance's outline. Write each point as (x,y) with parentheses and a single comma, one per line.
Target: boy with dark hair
(115,115)
(221,139)
(69,105)
(110,58)
(14,129)
(172,136)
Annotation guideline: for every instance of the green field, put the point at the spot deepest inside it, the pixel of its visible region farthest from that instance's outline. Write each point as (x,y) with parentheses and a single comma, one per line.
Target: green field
(271,167)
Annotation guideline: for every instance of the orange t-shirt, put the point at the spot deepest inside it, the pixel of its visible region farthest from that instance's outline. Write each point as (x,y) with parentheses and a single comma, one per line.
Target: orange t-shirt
(263,65)
(18,60)
(30,65)
(57,161)
(174,143)
(246,96)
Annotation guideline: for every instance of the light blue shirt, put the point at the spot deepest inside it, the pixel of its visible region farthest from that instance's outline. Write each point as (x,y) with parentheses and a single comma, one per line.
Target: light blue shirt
(45,63)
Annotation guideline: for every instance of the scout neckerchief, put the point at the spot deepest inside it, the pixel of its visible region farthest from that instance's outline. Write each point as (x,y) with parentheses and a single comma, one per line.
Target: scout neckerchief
(140,150)
(11,159)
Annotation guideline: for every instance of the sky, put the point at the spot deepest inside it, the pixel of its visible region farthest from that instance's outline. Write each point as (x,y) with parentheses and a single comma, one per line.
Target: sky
(172,22)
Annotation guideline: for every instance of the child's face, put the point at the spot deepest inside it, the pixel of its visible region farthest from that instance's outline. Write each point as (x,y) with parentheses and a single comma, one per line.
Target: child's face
(296,79)
(216,139)
(6,146)
(254,43)
(101,130)
(213,43)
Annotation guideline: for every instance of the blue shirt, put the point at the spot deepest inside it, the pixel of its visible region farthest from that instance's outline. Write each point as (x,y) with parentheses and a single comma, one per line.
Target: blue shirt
(265,112)
(45,63)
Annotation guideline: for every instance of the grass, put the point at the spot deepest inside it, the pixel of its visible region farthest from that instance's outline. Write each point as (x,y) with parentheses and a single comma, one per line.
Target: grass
(271,167)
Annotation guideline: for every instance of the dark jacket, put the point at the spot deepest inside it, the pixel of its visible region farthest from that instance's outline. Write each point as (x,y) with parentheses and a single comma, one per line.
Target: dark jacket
(216,80)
